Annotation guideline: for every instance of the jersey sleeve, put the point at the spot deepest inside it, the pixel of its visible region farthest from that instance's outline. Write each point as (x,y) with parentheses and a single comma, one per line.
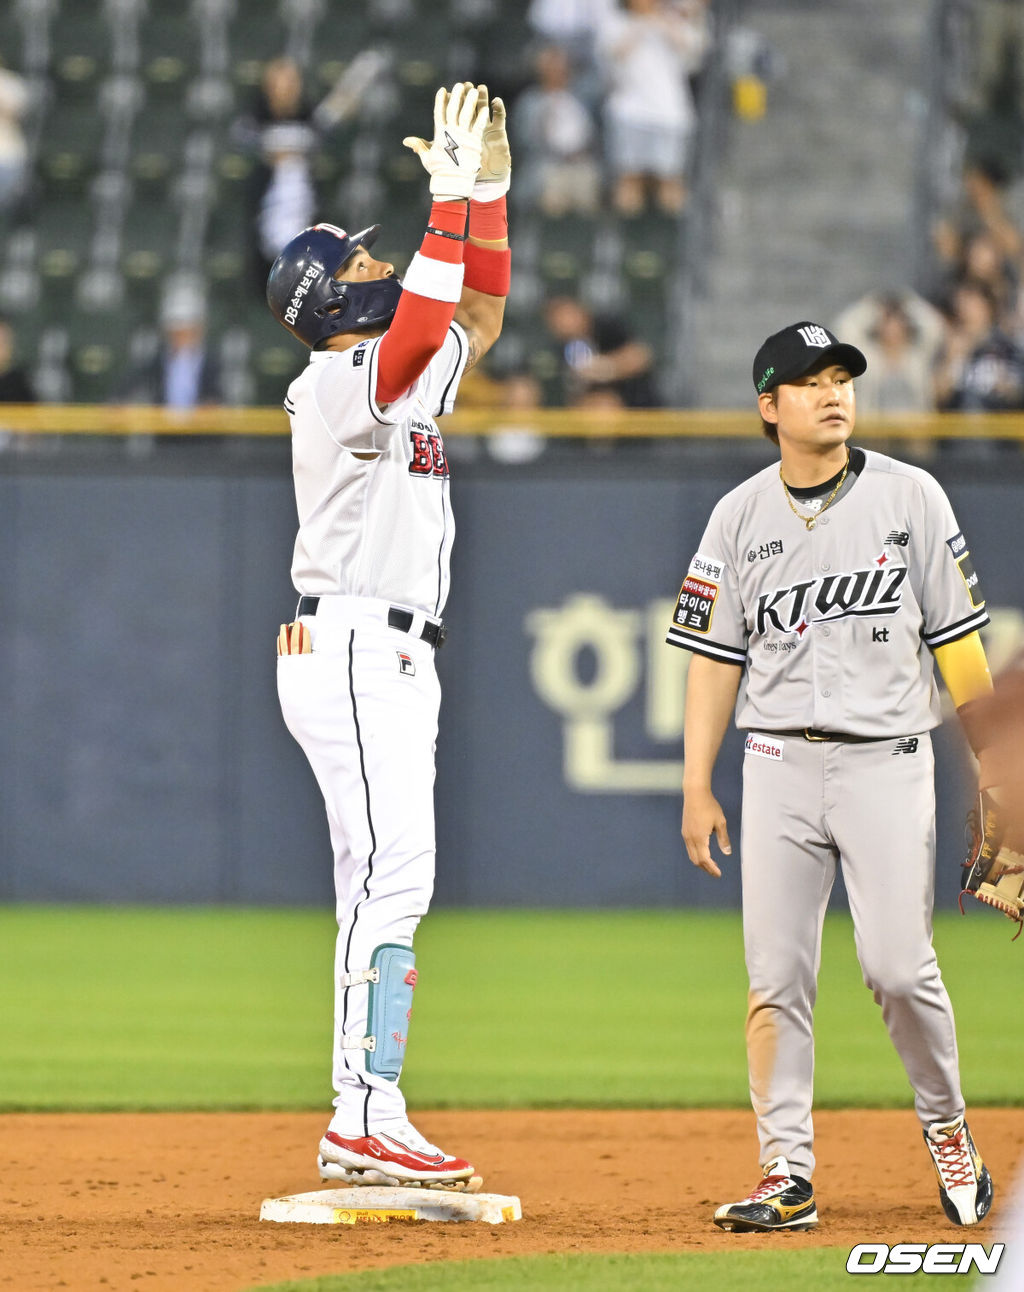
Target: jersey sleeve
(951,598)
(708,618)
(343,398)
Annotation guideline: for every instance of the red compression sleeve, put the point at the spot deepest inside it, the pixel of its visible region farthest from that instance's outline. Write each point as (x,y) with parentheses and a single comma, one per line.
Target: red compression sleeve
(421,323)
(488,221)
(488,269)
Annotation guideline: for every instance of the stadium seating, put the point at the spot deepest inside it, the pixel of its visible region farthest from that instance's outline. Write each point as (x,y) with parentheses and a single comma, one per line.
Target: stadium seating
(139,171)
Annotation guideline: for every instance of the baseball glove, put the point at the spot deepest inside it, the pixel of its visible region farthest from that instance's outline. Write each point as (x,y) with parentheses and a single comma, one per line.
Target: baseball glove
(993,871)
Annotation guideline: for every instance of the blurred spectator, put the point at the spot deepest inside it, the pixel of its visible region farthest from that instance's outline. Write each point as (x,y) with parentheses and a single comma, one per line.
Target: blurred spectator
(998,41)
(280,128)
(984,261)
(996,131)
(600,358)
(752,64)
(979,368)
(13,148)
(509,441)
(283,128)
(981,208)
(651,49)
(573,26)
(558,169)
(900,335)
(183,373)
(15,386)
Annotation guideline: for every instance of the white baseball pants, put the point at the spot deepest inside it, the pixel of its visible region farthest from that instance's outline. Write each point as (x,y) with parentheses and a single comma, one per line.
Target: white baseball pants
(364,707)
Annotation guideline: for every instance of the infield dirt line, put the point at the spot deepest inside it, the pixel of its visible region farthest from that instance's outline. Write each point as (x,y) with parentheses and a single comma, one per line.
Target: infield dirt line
(169,1202)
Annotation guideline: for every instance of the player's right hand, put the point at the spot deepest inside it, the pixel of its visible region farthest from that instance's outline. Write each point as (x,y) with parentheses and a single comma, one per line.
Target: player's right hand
(702,817)
(452,159)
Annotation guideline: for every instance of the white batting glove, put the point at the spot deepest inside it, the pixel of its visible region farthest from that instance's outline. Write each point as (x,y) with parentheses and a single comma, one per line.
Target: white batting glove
(453,158)
(496,159)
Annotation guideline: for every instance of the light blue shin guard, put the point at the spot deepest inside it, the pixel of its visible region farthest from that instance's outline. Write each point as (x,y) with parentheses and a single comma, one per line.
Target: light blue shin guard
(392,979)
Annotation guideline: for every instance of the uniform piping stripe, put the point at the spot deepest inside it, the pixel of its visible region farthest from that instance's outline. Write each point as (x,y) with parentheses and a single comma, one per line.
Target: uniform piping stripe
(728,654)
(701,650)
(370,856)
(440,550)
(955,631)
(289,407)
(444,484)
(455,370)
(371,385)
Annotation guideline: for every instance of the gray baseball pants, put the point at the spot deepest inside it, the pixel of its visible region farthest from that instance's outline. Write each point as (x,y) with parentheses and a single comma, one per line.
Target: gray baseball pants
(871,808)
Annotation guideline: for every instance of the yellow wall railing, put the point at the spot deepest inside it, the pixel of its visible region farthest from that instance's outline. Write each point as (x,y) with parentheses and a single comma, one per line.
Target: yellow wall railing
(662,423)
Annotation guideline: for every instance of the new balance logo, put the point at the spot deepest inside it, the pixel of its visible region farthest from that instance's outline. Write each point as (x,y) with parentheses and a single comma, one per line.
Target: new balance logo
(816,336)
(899,537)
(908,745)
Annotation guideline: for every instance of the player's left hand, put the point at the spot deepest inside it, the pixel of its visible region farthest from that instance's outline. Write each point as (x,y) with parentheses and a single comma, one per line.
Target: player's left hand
(993,871)
(495,174)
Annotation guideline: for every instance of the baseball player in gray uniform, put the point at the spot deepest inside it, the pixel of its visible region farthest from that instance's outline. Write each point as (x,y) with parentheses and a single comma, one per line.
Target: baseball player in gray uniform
(822,588)
(356,676)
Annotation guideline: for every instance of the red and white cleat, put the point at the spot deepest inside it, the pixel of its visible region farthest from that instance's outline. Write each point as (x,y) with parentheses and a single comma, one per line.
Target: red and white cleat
(399,1157)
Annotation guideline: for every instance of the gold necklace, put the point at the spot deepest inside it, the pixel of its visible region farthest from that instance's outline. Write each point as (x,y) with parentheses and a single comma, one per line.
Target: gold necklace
(811,521)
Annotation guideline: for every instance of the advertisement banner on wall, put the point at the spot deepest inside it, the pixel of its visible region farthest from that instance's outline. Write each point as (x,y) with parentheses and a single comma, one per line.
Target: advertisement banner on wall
(144,754)
(560,760)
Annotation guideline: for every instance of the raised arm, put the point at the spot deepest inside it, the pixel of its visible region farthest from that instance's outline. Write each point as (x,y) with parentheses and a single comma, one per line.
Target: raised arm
(481,309)
(433,283)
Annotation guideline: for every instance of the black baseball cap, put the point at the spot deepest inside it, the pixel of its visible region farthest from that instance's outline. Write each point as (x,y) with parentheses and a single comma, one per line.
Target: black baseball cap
(790,353)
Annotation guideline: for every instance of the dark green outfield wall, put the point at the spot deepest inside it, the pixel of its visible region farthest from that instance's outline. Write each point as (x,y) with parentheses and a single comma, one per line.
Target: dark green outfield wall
(142,755)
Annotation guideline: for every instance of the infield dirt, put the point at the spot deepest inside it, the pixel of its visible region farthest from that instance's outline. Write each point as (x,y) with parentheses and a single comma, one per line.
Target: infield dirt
(149,1202)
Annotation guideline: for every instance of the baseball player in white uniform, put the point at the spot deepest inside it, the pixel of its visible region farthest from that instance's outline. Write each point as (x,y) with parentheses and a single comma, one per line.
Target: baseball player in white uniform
(822,588)
(356,676)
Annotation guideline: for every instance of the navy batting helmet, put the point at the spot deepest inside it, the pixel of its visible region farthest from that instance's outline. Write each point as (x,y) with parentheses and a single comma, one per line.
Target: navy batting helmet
(307,299)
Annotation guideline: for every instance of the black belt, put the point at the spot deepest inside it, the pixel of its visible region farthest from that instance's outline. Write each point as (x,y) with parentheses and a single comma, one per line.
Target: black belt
(835,737)
(397,618)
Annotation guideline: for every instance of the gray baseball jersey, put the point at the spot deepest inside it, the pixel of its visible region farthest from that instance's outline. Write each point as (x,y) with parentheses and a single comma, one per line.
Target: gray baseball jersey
(833,627)
(835,624)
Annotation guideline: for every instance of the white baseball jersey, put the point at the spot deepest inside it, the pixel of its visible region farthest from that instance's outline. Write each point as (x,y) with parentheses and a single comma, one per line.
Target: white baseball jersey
(833,624)
(378,526)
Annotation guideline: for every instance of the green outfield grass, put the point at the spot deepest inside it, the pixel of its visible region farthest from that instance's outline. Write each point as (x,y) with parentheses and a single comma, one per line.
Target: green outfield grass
(820,1268)
(224,1008)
